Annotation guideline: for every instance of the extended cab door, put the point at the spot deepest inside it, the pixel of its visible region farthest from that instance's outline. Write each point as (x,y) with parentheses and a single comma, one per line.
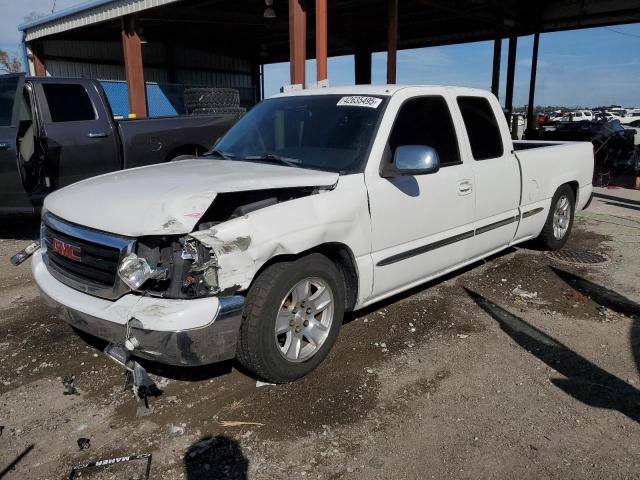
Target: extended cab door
(13,197)
(81,138)
(496,172)
(422,224)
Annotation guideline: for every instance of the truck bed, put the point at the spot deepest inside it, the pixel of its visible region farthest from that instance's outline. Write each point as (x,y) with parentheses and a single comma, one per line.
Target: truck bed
(573,161)
(148,140)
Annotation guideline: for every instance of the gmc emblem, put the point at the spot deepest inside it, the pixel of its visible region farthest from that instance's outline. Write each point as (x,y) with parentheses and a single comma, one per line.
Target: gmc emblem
(66,250)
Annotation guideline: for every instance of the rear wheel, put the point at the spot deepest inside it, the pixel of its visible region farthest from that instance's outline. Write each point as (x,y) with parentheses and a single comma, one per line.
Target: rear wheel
(557,228)
(291,319)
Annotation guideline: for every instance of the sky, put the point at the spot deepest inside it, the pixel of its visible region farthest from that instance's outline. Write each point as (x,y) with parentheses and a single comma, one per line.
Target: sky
(590,67)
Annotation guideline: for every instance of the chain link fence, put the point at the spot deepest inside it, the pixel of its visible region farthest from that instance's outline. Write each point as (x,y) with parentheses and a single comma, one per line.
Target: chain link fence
(170,99)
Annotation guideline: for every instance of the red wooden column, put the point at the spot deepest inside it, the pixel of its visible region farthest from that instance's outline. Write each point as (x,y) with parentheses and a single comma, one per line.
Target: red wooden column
(392,41)
(297,40)
(321,40)
(134,72)
(38,64)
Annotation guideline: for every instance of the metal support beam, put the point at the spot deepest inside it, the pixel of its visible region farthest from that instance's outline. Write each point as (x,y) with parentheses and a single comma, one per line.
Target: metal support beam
(532,82)
(497,54)
(256,80)
(134,72)
(321,40)
(297,41)
(511,72)
(392,40)
(362,65)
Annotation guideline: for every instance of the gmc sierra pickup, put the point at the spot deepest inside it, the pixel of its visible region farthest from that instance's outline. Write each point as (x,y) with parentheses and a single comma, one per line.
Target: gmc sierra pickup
(316,202)
(56,131)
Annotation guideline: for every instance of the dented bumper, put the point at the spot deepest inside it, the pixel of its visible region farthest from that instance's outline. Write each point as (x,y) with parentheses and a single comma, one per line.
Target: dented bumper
(189,332)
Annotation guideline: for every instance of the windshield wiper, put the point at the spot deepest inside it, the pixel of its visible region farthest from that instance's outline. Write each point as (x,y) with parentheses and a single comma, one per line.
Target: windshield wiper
(221,154)
(270,157)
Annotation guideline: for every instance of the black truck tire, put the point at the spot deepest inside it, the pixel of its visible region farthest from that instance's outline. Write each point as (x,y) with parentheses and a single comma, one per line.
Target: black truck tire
(557,228)
(259,346)
(237,112)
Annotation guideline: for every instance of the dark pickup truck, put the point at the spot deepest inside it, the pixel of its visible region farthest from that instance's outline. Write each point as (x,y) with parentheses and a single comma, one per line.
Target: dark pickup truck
(57,131)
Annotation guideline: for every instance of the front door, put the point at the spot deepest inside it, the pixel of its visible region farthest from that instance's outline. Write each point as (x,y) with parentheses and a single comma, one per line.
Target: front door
(13,197)
(422,224)
(81,139)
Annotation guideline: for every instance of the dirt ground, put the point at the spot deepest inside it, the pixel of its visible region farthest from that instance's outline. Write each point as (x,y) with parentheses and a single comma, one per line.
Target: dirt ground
(523,366)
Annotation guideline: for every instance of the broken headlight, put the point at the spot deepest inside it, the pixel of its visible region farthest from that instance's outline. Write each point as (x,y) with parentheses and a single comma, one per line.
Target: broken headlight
(171,267)
(201,278)
(135,271)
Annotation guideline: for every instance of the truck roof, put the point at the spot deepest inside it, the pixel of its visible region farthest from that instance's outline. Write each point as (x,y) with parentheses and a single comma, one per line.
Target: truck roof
(384,90)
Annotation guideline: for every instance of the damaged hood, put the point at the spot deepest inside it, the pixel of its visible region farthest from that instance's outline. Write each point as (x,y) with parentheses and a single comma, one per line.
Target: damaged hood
(169,198)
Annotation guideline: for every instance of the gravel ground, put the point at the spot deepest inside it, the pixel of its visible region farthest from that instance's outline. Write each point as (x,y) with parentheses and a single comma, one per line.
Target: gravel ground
(523,366)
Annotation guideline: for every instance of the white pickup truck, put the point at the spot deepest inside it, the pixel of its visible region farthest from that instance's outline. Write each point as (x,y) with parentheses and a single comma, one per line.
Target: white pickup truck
(315,203)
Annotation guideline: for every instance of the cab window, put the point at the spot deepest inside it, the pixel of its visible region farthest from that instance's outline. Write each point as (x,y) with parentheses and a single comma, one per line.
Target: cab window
(68,102)
(482,127)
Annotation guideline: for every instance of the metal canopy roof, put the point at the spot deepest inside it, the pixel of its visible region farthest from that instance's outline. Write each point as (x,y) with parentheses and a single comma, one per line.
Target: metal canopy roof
(86,14)
(238,27)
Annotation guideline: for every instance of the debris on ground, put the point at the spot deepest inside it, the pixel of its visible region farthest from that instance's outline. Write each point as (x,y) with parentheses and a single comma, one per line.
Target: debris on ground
(260,383)
(69,387)
(234,423)
(520,292)
(176,430)
(112,461)
(84,443)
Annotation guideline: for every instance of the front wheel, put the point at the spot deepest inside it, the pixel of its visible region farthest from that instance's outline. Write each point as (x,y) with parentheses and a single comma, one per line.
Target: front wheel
(292,317)
(557,228)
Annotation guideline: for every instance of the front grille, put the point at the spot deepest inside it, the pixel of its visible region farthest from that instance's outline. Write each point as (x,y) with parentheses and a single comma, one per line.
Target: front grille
(84,259)
(97,263)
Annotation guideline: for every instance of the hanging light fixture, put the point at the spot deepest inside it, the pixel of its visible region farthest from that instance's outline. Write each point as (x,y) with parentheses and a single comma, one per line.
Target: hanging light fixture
(269,12)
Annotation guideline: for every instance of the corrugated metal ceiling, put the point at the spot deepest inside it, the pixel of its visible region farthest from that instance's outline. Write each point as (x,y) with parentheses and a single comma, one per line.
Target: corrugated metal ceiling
(87,14)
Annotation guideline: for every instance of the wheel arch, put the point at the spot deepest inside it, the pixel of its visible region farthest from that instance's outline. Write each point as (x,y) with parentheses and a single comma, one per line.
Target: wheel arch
(340,254)
(191,149)
(575,188)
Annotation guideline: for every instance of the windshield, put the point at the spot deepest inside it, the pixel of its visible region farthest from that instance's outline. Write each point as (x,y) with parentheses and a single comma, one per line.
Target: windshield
(322,132)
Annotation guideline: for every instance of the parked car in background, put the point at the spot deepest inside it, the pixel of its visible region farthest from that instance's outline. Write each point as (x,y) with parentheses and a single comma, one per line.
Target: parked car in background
(316,202)
(607,116)
(57,131)
(631,115)
(635,126)
(577,116)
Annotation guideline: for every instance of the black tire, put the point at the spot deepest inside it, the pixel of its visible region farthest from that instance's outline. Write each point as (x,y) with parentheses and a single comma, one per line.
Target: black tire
(257,349)
(547,239)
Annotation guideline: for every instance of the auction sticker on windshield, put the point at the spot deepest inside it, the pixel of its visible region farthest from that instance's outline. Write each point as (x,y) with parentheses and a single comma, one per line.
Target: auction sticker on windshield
(359,101)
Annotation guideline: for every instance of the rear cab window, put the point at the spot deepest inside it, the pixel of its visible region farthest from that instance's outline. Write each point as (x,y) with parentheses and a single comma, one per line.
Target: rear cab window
(68,102)
(482,127)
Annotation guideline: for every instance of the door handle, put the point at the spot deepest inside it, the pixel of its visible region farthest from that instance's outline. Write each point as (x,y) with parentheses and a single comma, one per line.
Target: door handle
(4,146)
(465,187)
(97,135)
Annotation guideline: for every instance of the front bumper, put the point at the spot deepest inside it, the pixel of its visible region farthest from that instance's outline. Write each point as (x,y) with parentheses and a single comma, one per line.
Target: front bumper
(176,332)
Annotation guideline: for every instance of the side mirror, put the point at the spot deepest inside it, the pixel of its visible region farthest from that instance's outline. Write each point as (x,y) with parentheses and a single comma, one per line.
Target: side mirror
(413,160)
